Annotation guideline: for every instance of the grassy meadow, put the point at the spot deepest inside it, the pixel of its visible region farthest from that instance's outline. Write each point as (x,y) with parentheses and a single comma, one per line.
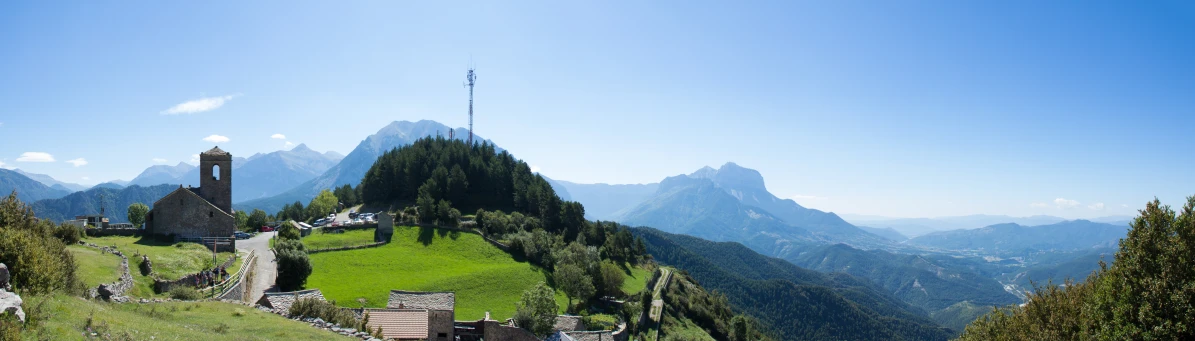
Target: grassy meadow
(170,261)
(94,267)
(63,317)
(484,277)
(320,240)
(636,281)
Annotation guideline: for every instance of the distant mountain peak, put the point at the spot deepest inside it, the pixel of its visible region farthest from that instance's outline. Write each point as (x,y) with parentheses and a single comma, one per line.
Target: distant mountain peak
(302,147)
(732,176)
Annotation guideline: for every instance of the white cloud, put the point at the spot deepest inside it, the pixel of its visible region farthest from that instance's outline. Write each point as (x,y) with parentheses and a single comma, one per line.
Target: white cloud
(534,169)
(1039,205)
(278,136)
(2,165)
(1099,206)
(198,105)
(1066,203)
(289,144)
(1124,205)
(35,157)
(77,162)
(194,158)
(160,161)
(216,139)
(86,178)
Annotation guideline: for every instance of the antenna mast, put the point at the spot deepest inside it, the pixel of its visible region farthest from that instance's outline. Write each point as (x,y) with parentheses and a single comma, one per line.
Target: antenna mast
(471,77)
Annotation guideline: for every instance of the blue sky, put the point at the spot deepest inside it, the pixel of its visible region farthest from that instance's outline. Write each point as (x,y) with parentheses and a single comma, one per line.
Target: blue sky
(906,109)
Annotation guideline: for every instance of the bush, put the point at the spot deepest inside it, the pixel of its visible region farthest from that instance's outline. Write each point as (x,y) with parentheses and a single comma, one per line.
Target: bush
(38,264)
(288,231)
(289,244)
(69,234)
(327,311)
(293,269)
(184,293)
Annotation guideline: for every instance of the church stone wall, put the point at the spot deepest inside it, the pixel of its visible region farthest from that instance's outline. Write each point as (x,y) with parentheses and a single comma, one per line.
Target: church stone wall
(184,214)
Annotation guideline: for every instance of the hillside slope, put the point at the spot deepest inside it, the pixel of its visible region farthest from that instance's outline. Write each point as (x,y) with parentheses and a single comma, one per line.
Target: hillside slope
(115,202)
(799,303)
(28,190)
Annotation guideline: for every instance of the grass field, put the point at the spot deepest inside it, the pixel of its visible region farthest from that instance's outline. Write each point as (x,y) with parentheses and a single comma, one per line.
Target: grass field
(483,277)
(321,240)
(636,281)
(170,261)
(94,267)
(65,318)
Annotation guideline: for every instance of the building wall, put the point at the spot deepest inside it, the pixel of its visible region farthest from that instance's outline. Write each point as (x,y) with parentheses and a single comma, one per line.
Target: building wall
(440,322)
(184,214)
(218,192)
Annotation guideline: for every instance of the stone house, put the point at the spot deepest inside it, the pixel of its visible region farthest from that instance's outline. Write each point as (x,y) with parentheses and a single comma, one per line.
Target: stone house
(416,315)
(205,211)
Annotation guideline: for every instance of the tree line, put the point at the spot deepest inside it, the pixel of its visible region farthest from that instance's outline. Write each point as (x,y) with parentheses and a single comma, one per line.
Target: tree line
(1147,294)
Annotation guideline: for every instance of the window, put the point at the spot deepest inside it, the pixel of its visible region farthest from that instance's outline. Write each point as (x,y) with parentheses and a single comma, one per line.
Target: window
(180,202)
(443,335)
(209,214)
(215,172)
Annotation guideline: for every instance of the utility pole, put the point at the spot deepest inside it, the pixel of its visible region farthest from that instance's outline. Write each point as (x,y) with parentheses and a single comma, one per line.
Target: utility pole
(471,78)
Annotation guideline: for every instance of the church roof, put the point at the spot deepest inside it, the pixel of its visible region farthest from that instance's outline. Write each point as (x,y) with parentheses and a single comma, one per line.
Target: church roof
(421,300)
(216,151)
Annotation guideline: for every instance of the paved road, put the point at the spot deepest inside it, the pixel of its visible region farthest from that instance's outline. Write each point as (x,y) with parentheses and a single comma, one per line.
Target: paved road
(266,270)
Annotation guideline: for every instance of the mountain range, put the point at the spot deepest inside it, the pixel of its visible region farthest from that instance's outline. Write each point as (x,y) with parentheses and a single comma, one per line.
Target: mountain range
(604,201)
(1066,235)
(28,190)
(51,182)
(258,176)
(913,227)
(115,202)
(351,169)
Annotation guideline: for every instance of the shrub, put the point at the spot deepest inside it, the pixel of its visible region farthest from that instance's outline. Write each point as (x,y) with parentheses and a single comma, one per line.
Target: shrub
(327,311)
(184,293)
(288,231)
(38,264)
(293,269)
(68,234)
(289,244)
(536,310)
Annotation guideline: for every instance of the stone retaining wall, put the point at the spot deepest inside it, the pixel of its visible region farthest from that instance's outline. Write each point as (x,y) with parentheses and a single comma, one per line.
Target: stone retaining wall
(240,290)
(114,291)
(342,248)
(161,286)
(113,232)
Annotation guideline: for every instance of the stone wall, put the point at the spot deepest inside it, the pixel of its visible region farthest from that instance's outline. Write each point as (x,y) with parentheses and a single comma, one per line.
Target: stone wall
(184,214)
(351,247)
(440,325)
(244,281)
(113,232)
(495,331)
(114,291)
(161,286)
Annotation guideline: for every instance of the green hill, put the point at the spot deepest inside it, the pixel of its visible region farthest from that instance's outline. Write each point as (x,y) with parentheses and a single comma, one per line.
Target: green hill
(484,277)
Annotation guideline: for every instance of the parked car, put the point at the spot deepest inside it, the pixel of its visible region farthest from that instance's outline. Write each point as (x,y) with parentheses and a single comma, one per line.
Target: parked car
(267,229)
(241,235)
(344,222)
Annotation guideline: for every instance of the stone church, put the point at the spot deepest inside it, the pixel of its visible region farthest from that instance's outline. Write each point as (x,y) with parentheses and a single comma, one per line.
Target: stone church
(204,211)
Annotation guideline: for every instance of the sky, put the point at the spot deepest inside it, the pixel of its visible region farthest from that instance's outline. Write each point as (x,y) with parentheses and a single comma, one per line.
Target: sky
(1077,109)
